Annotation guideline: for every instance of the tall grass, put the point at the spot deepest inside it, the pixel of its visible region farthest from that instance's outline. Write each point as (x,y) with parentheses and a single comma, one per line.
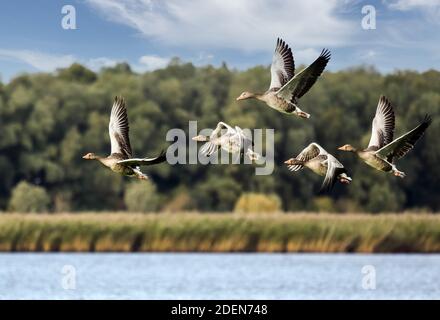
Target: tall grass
(220,232)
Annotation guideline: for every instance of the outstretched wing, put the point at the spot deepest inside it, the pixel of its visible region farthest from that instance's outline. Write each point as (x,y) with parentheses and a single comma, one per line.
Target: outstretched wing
(145,161)
(402,145)
(334,168)
(247,145)
(210,147)
(283,66)
(118,129)
(382,128)
(303,81)
(219,130)
(311,151)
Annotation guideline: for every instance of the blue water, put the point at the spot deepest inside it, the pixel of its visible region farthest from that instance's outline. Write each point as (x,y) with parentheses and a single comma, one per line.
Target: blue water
(218,276)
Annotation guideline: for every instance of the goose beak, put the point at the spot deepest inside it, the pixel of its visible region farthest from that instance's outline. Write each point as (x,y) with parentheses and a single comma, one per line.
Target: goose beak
(288,161)
(341,148)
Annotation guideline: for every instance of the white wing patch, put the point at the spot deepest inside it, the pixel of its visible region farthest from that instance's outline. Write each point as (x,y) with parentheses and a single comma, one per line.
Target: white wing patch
(283,66)
(382,128)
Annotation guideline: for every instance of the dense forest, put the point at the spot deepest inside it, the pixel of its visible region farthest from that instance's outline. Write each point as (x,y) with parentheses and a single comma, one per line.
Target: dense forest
(48,121)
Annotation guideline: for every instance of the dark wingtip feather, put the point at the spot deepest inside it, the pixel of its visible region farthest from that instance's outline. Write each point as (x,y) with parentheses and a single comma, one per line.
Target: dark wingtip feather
(119,100)
(383,98)
(326,54)
(427,120)
(162,156)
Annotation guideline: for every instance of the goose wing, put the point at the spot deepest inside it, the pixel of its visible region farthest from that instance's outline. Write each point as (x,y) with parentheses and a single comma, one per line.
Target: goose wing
(311,151)
(222,126)
(245,142)
(334,168)
(209,147)
(118,129)
(283,66)
(402,145)
(382,128)
(145,161)
(304,80)
(247,145)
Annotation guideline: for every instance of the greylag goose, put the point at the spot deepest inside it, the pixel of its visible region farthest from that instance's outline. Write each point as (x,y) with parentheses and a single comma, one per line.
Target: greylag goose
(286,88)
(317,159)
(121,159)
(382,150)
(232,140)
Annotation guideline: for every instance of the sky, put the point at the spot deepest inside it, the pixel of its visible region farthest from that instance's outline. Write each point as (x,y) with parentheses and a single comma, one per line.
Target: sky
(241,33)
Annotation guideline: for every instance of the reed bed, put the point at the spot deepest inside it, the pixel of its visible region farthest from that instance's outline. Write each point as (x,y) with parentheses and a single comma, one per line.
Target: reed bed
(191,232)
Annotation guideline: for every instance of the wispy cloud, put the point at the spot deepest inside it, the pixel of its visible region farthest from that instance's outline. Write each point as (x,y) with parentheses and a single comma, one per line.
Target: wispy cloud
(405,5)
(49,62)
(39,60)
(101,62)
(153,62)
(240,24)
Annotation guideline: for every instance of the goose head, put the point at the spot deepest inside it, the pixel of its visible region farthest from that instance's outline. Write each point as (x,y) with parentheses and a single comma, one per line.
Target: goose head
(90,156)
(245,95)
(347,147)
(200,138)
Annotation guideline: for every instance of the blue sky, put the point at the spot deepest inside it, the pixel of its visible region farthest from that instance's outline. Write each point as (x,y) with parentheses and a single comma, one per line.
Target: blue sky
(147,33)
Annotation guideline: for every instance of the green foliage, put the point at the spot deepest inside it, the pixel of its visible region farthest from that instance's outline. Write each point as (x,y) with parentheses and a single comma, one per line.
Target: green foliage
(77,72)
(258,203)
(323,204)
(141,196)
(48,121)
(382,199)
(28,198)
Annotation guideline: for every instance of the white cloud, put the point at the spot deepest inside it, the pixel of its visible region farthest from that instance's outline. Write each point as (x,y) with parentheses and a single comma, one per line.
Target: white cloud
(49,62)
(305,56)
(153,62)
(405,5)
(368,55)
(246,25)
(39,60)
(97,63)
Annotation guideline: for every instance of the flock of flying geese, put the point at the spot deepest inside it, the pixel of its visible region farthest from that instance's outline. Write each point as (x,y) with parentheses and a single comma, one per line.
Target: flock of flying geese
(283,95)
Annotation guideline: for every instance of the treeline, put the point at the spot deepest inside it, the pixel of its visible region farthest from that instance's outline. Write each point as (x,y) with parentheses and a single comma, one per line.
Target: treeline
(48,121)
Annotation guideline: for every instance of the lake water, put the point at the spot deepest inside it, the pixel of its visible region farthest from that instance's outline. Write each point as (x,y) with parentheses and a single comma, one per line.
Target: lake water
(218,276)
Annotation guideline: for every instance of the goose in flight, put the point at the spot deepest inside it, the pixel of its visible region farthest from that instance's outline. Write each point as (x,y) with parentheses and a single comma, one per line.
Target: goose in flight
(383,151)
(317,159)
(121,159)
(232,140)
(286,88)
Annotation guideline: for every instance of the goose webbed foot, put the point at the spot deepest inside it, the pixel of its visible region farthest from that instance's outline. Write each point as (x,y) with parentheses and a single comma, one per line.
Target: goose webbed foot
(301,113)
(140,175)
(398,173)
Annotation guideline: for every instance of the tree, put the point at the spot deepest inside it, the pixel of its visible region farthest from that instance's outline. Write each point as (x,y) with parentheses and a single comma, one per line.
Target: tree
(141,196)
(27,197)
